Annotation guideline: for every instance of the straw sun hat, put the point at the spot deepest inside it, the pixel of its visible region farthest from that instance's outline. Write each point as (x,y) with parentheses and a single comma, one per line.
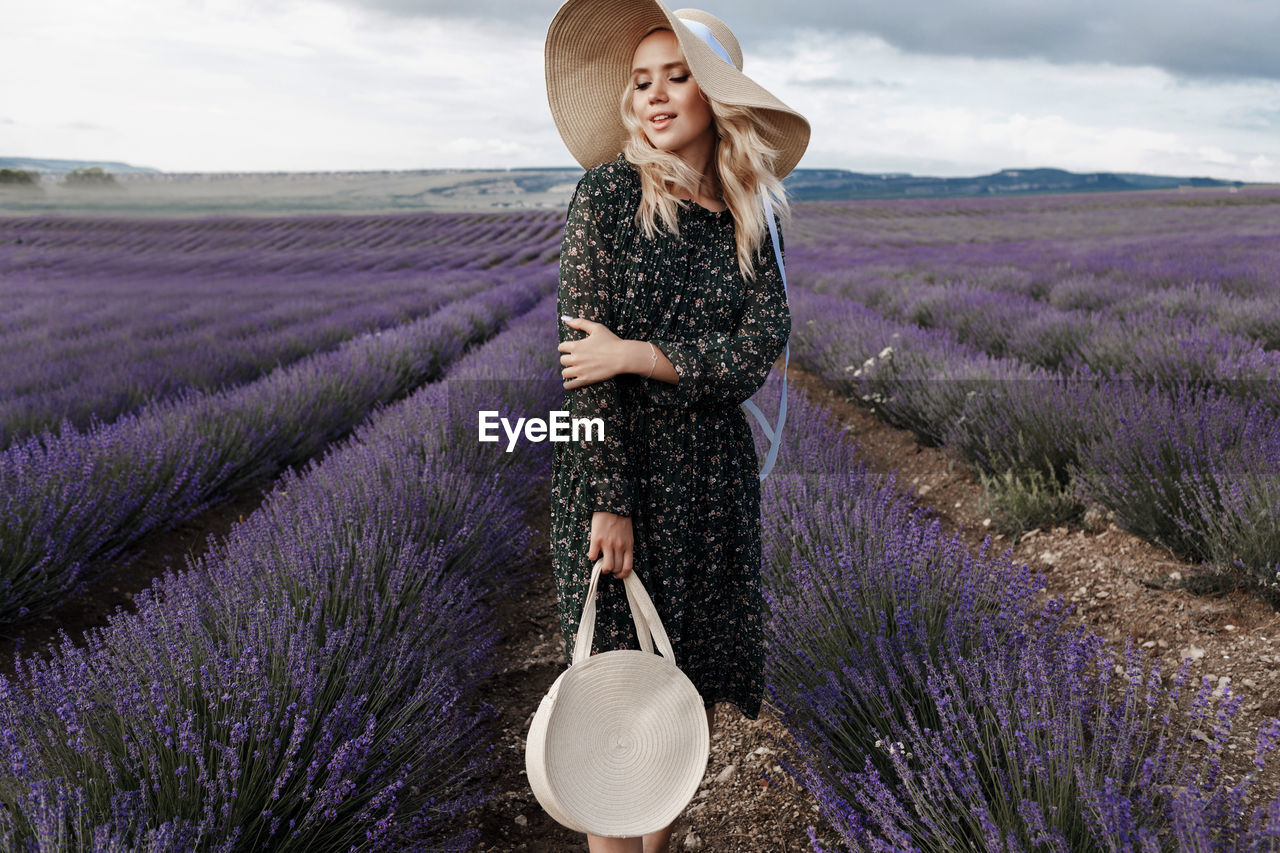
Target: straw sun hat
(589,49)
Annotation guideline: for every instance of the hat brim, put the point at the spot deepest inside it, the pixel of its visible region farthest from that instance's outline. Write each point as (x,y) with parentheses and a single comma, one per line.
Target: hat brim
(589,48)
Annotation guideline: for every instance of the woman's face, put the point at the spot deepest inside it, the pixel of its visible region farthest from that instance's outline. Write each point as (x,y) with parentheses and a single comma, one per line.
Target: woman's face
(667,100)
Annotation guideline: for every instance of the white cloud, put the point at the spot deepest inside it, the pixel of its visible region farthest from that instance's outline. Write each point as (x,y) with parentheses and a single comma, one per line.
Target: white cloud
(244,85)
(961,116)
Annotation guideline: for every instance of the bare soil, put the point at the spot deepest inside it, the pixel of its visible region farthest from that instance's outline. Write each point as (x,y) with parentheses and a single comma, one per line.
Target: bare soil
(745,802)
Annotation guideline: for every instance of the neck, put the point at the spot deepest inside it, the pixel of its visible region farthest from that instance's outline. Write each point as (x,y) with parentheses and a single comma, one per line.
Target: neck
(698,156)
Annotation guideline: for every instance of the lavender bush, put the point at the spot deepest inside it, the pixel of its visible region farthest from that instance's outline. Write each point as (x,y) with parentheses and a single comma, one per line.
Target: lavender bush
(309,683)
(105,315)
(1154,344)
(935,707)
(1208,492)
(1197,471)
(147,347)
(71,502)
(913,378)
(1128,245)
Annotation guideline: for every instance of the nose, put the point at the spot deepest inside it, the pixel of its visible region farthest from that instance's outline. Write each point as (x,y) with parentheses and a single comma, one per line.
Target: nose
(657,92)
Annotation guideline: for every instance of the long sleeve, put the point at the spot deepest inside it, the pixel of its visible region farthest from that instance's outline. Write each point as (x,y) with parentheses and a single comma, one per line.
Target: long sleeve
(730,368)
(587,262)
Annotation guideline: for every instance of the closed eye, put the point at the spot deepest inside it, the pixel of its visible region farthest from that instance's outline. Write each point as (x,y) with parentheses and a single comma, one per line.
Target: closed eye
(680,79)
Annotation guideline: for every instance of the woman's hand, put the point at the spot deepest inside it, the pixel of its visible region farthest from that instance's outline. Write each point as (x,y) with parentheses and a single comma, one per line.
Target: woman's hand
(599,356)
(612,540)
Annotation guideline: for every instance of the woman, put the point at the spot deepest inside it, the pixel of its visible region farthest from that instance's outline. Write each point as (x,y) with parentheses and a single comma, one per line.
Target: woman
(674,310)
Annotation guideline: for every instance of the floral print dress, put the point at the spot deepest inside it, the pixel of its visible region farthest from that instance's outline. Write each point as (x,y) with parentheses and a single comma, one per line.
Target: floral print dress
(679,459)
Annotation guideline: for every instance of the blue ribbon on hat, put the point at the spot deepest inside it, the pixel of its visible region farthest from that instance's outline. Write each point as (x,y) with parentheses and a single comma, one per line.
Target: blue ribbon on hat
(773,433)
(703,32)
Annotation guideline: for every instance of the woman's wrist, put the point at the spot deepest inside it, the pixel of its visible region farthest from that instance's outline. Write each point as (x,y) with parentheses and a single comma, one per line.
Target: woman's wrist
(636,357)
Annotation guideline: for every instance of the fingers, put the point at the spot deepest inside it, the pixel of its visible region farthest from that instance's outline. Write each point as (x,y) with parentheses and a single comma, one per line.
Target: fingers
(618,560)
(611,543)
(568,374)
(578,382)
(617,557)
(601,550)
(577,322)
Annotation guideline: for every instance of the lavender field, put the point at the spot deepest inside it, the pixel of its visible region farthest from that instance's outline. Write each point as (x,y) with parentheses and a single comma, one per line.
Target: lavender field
(312,681)
(74,499)
(1121,350)
(104,315)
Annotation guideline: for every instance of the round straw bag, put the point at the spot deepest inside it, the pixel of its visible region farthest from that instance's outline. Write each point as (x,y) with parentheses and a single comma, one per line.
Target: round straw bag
(620,742)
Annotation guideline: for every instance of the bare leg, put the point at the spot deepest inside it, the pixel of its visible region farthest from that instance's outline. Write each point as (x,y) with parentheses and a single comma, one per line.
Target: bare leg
(659,842)
(596,844)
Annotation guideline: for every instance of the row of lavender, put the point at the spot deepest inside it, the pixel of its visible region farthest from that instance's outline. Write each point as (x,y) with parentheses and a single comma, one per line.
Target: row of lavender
(1097,250)
(70,503)
(1156,286)
(56,247)
(1189,466)
(937,708)
(311,682)
(101,316)
(124,344)
(1158,343)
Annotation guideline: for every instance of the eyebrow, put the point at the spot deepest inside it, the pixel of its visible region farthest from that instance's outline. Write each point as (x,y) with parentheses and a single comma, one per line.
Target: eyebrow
(635,71)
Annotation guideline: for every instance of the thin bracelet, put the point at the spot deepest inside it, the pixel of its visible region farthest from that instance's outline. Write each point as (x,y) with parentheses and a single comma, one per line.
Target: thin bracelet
(654,363)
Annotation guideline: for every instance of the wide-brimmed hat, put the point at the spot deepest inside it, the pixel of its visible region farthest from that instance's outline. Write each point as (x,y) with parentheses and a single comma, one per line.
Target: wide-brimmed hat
(590,44)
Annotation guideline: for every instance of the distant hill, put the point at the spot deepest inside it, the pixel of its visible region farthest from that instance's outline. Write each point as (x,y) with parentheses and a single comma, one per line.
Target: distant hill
(147,191)
(61,167)
(839,184)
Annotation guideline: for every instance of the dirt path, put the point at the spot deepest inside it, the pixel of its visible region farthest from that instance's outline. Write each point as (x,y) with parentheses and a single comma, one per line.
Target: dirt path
(751,807)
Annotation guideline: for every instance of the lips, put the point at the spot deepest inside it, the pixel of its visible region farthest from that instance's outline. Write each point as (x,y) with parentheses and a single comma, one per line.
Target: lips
(661,120)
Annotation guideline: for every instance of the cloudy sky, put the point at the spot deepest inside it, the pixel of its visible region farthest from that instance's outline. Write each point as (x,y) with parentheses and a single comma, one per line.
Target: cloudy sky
(931,87)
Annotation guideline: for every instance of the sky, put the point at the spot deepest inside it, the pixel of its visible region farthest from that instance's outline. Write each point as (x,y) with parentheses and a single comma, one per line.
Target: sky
(944,87)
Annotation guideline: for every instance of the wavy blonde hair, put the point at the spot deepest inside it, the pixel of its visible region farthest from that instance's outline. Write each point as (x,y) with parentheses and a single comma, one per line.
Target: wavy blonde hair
(742,162)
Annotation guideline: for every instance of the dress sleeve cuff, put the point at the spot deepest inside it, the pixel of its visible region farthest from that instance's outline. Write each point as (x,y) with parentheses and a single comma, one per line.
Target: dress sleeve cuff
(685,359)
(612,494)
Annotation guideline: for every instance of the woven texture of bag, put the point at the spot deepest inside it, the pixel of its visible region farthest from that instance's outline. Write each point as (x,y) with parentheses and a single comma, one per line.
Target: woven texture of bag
(620,743)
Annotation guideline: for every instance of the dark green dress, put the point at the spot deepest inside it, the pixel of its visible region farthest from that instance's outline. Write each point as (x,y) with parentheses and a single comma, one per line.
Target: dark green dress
(678,459)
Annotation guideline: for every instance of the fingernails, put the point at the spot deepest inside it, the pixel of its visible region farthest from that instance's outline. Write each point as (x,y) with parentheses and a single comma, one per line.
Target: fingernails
(565,317)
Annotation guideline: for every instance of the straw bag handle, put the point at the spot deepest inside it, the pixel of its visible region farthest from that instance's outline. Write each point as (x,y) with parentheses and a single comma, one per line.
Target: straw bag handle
(643,613)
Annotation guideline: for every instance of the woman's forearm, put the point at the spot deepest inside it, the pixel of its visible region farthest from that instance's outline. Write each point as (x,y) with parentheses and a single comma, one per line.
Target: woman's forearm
(638,358)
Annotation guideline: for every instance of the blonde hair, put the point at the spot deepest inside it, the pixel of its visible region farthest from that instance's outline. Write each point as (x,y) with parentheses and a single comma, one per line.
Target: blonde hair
(742,162)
